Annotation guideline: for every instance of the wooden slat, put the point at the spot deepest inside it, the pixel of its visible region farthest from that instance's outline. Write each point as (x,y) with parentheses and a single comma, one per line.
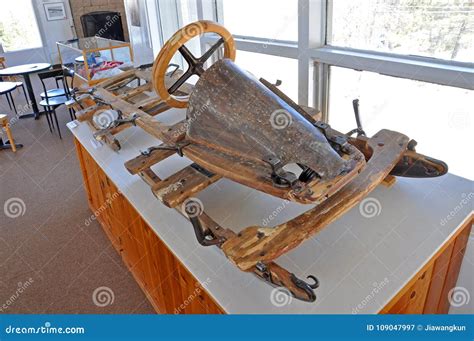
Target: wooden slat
(149,177)
(144,74)
(145,121)
(141,162)
(173,190)
(135,91)
(117,79)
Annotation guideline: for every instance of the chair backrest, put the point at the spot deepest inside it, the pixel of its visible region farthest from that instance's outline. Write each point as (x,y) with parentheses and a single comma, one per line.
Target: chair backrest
(50,74)
(68,74)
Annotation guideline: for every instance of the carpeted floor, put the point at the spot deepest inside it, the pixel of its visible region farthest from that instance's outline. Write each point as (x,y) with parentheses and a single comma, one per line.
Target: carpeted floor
(50,261)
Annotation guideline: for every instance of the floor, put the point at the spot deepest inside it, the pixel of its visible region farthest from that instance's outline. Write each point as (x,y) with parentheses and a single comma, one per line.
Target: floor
(53,259)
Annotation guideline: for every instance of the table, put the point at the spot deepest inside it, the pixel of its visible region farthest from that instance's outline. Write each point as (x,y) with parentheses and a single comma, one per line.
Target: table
(25,71)
(350,257)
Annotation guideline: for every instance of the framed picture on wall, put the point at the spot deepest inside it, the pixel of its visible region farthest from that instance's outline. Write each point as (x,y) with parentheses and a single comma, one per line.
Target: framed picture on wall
(55,11)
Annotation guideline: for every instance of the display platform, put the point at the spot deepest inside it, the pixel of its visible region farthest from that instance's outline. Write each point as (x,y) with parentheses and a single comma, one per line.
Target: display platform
(385,255)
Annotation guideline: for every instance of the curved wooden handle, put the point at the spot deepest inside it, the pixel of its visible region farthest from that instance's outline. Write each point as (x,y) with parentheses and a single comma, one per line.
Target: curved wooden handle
(182,36)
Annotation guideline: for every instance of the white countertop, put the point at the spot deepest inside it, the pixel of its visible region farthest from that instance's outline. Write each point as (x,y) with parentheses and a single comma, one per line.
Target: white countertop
(361,262)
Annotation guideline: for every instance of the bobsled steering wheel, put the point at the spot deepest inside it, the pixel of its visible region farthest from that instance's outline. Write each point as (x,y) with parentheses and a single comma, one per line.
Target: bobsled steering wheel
(176,43)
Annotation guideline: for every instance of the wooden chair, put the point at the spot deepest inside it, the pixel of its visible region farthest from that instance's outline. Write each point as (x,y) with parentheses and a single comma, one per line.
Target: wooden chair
(13,79)
(6,128)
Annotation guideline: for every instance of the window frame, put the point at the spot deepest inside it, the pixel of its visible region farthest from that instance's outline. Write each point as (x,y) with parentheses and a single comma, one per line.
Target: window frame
(315,55)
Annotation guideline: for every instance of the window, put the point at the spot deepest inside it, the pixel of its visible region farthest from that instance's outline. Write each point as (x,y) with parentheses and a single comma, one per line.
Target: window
(438,117)
(18,27)
(272,69)
(315,46)
(441,29)
(269,19)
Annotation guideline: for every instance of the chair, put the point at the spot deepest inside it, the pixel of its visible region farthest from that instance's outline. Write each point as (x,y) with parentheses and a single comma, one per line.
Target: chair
(13,79)
(6,89)
(59,91)
(6,126)
(52,102)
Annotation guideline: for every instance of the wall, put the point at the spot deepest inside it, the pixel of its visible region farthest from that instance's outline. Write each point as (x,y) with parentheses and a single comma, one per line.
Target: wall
(80,7)
(53,31)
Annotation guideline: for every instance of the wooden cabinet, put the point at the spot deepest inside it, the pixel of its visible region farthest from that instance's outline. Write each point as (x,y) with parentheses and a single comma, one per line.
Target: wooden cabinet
(427,292)
(170,288)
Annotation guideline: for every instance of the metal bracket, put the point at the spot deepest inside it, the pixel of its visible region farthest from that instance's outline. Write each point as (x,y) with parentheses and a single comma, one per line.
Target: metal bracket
(338,141)
(280,177)
(178,148)
(308,288)
(202,170)
(205,238)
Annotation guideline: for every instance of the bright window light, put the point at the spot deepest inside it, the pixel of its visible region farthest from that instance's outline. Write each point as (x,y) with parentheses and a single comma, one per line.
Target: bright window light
(441,28)
(270,19)
(18,26)
(272,69)
(439,118)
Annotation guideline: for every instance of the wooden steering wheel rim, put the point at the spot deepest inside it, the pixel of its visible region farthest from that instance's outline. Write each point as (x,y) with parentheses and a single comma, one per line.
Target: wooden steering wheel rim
(160,66)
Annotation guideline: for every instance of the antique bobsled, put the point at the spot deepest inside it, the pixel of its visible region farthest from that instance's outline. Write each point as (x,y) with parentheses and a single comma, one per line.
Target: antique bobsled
(248,131)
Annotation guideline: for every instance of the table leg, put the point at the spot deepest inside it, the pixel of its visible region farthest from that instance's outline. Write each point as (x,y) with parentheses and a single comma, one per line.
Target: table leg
(31,95)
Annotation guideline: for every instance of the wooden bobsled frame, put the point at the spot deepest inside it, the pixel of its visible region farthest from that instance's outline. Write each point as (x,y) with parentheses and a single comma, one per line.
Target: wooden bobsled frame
(256,248)
(134,89)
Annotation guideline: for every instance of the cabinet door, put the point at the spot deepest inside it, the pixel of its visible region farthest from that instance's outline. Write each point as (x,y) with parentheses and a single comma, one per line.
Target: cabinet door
(437,281)
(413,301)
(454,266)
